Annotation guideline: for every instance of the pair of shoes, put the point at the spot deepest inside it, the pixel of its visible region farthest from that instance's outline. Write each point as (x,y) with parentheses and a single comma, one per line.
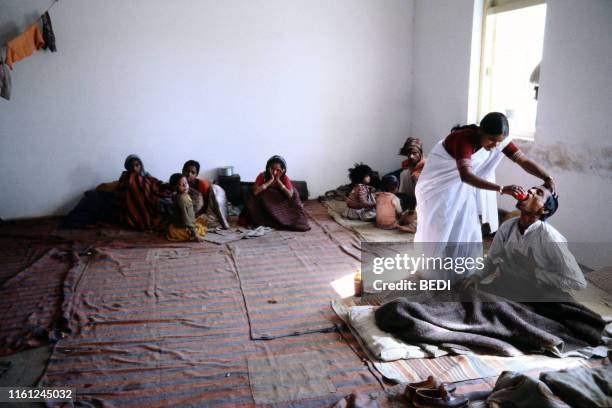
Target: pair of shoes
(432,394)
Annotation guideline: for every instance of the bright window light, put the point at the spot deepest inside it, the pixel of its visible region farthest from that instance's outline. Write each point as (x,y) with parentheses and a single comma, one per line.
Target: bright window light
(344,286)
(513,43)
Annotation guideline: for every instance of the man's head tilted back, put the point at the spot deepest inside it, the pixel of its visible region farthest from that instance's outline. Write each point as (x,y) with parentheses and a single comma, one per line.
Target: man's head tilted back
(540,201)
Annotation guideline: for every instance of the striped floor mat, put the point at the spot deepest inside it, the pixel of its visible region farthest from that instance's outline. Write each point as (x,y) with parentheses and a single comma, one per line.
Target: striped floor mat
(286,282)
(31,299)
(286,279)
(18,254)
(156,326)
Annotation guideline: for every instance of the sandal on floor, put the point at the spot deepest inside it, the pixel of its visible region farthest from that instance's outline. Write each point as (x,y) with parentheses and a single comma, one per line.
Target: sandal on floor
(429,384)
(441,397)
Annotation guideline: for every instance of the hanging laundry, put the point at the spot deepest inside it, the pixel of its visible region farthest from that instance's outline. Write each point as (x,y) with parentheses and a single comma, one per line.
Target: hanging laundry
(5,81)
(23,45)
(48,34)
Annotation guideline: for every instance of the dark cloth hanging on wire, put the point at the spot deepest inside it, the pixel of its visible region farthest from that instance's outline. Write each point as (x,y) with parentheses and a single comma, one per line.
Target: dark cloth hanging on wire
(48,34)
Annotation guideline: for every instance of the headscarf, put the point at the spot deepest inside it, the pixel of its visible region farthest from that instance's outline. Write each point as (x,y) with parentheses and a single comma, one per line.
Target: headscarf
(131,157)
(412,143)
(275,159)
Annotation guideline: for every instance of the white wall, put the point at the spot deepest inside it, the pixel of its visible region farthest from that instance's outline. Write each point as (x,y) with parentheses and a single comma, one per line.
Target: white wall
(442,50)
(573,137)
(574,134)
(324,83)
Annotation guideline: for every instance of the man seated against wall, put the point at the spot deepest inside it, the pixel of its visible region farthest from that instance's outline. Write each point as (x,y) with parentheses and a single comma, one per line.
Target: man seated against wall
(529,260)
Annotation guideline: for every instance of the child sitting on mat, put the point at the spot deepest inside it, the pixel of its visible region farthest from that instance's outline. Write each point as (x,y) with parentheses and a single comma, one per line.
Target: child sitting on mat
(185,227)
(198,188)
(360,203)
(389,214)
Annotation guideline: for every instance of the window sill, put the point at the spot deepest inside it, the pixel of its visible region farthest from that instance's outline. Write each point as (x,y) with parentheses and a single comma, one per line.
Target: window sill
(523,137)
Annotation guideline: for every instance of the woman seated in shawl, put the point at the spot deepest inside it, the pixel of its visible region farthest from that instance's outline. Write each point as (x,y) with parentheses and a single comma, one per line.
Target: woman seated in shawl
(138,196)
(274,202)
(409,174)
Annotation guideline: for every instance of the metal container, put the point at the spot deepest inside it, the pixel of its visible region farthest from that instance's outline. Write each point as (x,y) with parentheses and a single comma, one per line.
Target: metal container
(225,171)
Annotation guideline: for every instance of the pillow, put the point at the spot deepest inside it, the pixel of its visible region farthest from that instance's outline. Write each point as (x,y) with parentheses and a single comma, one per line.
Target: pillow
(384,346)
(217,213)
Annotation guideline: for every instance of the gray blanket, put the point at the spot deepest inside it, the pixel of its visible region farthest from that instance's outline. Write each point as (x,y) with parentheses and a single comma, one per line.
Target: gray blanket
(493,325)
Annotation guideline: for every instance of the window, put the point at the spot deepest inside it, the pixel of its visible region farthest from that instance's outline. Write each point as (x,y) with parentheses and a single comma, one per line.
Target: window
(513,38)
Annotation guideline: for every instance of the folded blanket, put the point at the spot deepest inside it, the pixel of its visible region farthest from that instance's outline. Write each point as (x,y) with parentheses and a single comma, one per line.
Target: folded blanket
(493,325)
(383,346)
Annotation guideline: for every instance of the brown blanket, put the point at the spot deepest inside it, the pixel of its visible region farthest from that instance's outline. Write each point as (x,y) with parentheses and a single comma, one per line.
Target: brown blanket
(493,325)
(272,208)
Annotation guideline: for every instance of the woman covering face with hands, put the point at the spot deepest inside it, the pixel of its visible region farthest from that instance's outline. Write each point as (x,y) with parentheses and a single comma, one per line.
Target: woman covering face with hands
(274,176)
(274,202)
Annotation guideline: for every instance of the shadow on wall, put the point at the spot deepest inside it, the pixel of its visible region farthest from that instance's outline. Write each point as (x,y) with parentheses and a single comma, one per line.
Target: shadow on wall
(79,174)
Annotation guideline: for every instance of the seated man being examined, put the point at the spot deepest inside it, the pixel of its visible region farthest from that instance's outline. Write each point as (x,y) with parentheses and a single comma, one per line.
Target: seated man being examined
(527,307)
(529,259)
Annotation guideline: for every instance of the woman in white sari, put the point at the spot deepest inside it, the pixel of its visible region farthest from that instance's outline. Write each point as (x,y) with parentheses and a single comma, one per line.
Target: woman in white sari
(457,189)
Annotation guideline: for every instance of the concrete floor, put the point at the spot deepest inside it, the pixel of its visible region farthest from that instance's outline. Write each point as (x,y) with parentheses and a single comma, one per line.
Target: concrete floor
(25,369)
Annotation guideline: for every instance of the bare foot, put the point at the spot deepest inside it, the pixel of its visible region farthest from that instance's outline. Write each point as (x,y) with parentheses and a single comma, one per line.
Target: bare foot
(410,228)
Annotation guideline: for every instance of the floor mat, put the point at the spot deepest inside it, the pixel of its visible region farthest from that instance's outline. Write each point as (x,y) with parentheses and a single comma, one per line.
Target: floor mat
(31,302)
(159,327)
(367,231)
(286,279)
(278,378)
(155,330)
(18,254)
(336,351)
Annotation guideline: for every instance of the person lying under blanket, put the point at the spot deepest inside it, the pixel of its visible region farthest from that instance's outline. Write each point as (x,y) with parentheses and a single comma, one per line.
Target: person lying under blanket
(529,259)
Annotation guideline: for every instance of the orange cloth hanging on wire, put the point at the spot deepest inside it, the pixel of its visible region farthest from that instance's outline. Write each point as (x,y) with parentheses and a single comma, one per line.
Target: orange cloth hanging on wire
(24,45)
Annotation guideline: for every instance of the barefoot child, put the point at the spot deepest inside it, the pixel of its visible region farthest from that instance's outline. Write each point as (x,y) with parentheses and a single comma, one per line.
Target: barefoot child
(389,214)
(185,227)
(360,203)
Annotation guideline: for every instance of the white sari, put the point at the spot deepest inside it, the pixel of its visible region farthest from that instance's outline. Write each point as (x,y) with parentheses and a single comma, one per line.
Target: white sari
(447,208)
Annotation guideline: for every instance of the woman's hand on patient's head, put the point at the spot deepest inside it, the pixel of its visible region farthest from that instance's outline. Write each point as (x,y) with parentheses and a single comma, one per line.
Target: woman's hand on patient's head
(549,183)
